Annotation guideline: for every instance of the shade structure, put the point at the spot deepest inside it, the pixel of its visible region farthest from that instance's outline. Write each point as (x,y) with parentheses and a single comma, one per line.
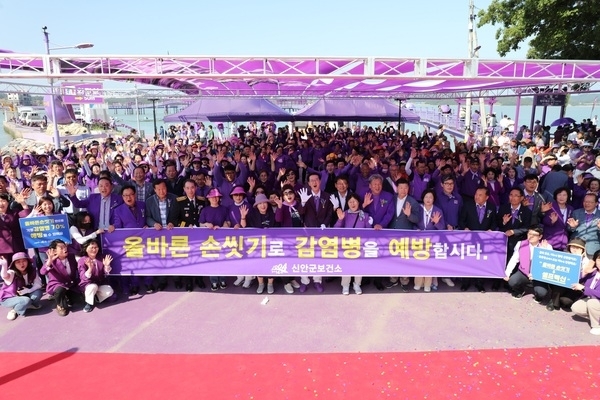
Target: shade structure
(355,109)
(230,109)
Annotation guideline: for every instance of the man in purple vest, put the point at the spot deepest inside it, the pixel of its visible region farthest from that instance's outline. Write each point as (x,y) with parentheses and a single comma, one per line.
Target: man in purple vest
(518,278)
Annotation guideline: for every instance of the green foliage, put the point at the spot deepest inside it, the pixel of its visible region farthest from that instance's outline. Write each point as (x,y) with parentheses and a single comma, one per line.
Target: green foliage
(556,29)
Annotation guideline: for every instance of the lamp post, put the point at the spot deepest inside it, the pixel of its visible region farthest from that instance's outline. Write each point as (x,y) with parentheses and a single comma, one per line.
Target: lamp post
(56,133)
(154,117)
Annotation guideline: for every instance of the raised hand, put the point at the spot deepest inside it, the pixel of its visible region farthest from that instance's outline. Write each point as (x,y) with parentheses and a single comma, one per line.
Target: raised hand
(436,217)
(304,196)
(243,211)
(252,182)
(407,208)
(334,201)
(554,218)
(340,214)
(573,223)
(106,262)
(506,218)
(368,200)
(546,207)
(278,201)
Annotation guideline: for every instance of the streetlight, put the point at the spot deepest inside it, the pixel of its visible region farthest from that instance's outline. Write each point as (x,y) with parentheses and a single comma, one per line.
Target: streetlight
(154,117)
(52,102)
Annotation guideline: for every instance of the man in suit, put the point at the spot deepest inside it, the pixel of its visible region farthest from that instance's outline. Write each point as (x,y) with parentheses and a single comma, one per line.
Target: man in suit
(187,213)
(101,206)
(339,196)
(143,189)
(406,211)
(585,224)
(534,200)
(160,214)
(131,214)
(477,215)
(317,211)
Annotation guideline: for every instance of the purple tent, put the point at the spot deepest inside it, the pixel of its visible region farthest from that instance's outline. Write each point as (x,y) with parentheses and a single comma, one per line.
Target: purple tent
(230,109)
(355,109)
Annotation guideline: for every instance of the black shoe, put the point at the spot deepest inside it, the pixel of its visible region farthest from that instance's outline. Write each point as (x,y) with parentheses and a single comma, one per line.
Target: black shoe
(330,279)
(88,307)
(404,288)
(134,291)
(214,287)
(550,307)
(496,286)
(518,296)
(479,287)
(162,287)
(200,283)
(539,301)
(189,287)
(391,284)
(150,289)
(464,287)
(378,286)
(223,285)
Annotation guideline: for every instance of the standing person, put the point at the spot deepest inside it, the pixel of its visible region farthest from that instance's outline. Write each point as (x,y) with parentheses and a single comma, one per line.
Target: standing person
(353,218)
(11,240)
(100,205)
(92,275)
(214,216)
(238,195)
(519,278)
(534,200)
(160,214)
(431,219)
(62,281)
(405,215)
(589,286)
(477,215)
(585,222)
(317,211)
(187,214)
(143,188)
(262,217)
(39,184)
(22,288)
(555,220)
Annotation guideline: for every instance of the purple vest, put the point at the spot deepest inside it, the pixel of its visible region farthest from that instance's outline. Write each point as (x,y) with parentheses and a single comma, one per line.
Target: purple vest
(8,291)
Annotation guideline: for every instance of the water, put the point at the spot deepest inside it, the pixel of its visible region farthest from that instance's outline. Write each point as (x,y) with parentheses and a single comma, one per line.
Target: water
(146,123)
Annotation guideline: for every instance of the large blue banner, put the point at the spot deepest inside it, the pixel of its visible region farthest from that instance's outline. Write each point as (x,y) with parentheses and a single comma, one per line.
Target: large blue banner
(555,267)
(40,231)
(297,251)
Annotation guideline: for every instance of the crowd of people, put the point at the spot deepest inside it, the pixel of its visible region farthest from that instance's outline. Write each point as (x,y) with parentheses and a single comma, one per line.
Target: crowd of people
(539,190)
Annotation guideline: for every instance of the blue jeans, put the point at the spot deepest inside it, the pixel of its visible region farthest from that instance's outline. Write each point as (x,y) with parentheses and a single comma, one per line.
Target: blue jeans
(20,303)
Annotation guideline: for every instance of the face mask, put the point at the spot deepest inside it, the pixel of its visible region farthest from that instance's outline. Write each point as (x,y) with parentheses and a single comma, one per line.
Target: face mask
(86,225)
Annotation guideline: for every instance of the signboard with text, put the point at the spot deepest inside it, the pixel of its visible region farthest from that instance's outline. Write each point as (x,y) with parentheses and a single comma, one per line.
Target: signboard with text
(40,231)
(82,93)
(555,267)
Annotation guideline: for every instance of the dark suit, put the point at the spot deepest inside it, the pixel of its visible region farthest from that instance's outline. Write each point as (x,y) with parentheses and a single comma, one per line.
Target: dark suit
(60,202)
(315,216)
(519,225)
(344,207)
(186,212)
(587,230)
(536,213)
(403,221)
(153,210)
(148,189)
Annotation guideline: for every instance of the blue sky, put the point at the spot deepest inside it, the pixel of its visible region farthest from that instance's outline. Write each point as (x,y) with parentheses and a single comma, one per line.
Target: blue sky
(426,28)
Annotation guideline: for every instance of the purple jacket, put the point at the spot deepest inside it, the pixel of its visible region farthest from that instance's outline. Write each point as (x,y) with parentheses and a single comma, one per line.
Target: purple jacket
(124,217)
(57,275)
(93,204)
(440,226)
(587,282)
(98,276)
(354,220)
(11,240)
(382,209)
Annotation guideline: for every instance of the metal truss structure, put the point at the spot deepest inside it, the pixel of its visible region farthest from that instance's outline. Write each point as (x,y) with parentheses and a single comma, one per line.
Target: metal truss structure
(304,77)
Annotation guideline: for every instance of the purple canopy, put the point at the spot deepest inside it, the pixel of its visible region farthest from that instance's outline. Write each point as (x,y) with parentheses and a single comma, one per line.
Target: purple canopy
(230,109)
(355,110)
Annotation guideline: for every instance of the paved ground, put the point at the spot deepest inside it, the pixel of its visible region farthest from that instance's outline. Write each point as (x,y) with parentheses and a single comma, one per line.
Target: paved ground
(235,321)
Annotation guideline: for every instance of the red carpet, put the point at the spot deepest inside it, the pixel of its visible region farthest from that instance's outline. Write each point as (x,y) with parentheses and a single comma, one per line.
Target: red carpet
(479,374)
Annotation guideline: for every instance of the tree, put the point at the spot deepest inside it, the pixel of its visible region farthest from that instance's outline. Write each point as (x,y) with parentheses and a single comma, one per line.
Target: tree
(557,29)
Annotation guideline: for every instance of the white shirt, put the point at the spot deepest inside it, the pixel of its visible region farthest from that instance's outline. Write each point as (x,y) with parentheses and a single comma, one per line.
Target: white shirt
(400,206)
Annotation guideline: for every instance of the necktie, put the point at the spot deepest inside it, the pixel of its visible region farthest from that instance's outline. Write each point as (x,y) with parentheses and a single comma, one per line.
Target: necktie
(316,201)
(480,213)
(588,218)
(515,214)
(530,201)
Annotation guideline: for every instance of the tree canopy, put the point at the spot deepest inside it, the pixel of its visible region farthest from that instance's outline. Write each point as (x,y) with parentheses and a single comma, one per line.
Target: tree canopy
(556,29)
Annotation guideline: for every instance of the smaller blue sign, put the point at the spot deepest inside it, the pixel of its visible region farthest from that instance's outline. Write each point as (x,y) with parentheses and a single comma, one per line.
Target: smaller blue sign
(40,231)
(555,267)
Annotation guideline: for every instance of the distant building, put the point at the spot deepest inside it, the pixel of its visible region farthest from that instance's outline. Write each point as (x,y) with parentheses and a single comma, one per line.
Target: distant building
(21,99)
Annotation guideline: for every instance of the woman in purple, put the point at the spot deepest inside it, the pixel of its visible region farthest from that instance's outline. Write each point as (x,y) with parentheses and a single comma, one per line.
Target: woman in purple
(431,219)
(62,280)
(555,220)
(353,218)
(214,216)
(287,214)
(22,288)
(238,195)
(92,275)
(589,286)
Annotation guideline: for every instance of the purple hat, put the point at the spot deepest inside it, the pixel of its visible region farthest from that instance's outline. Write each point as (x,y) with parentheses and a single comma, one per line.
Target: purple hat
(214,193)
(197,160)
(19,256)
(237,190)
(260,198)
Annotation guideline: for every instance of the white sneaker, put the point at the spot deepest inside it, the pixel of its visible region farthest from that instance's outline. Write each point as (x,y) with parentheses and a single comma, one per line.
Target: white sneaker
(270,288)
(12,315)
(346,290)
(448,282)
(295,284)
(357,288)
(417,287)
(247,283)
(427,289)
(238,281)
(261,288)
(288,288)
(595,331)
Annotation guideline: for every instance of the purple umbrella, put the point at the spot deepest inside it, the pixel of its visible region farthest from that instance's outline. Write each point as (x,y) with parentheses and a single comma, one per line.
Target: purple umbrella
(563,121)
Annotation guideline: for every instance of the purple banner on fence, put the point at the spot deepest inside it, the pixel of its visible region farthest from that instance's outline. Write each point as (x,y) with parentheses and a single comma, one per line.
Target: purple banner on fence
(296,251)
(82,93)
